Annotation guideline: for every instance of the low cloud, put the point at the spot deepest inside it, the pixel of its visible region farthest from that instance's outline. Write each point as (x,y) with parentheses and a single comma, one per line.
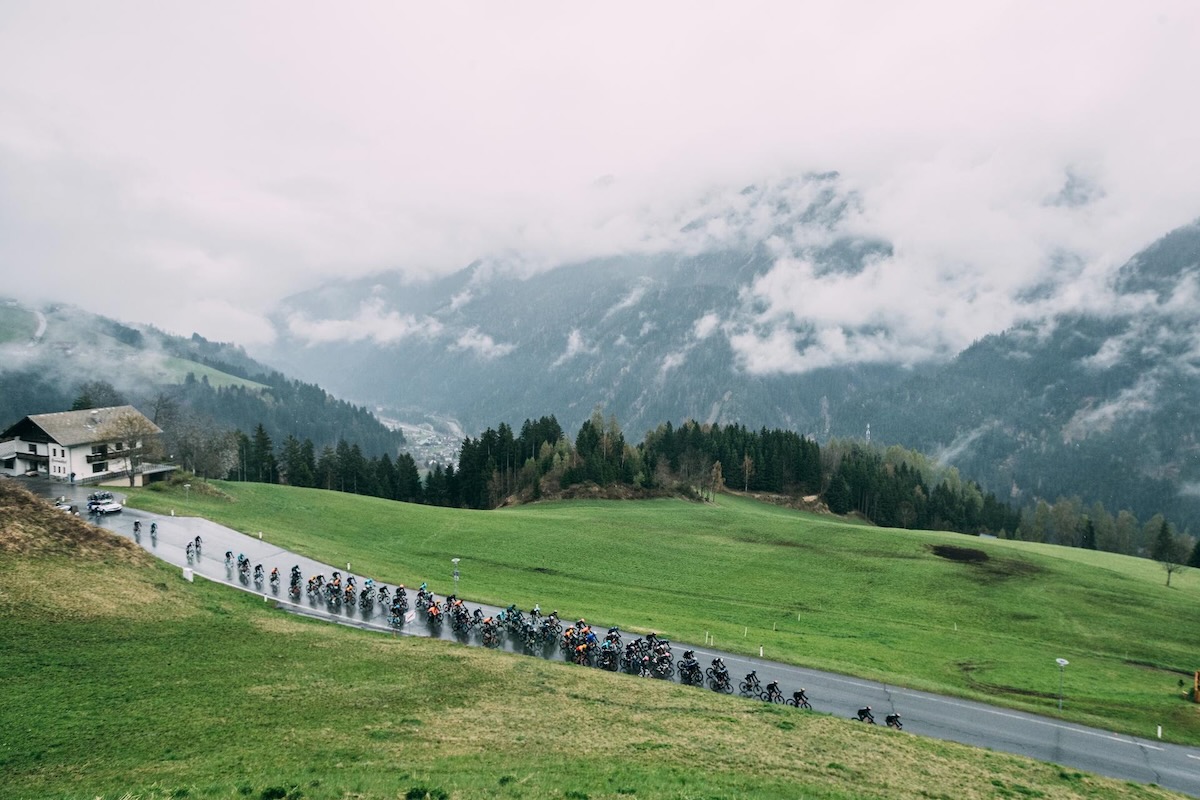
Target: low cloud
(576,346)
(482,345)
(962,444)
(1136,400)
(783,350)
(1007,187)
(706,326)
(672,361)
(373,322)
(628,301)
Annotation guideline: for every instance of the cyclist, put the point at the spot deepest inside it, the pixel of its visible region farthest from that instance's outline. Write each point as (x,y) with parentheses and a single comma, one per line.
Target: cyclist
(864,715)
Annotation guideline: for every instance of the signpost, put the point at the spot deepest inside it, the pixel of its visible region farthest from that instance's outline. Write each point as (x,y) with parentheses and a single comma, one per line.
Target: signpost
(1062,663)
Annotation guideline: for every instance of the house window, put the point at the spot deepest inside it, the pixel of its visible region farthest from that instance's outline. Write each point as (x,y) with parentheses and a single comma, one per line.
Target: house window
(33,448)
(100,466)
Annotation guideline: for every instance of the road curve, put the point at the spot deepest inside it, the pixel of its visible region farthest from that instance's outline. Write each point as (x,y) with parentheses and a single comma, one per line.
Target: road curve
(1103,752)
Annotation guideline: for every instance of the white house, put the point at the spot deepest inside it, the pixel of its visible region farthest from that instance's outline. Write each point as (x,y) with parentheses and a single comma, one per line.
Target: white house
(72,445)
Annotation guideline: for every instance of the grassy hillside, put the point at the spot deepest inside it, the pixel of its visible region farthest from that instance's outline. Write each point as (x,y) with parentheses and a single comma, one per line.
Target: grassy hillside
(171,369)
(134,683)
(16,323)
(810,590)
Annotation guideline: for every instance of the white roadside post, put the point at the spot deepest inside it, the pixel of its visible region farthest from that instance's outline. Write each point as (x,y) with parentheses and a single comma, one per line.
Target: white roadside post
(455,562)
(1062,664)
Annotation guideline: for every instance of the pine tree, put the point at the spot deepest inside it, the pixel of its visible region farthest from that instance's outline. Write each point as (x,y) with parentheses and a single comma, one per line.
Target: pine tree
(1089,536)
(1163,543)
(1168,551)
(837,496)
(261,458)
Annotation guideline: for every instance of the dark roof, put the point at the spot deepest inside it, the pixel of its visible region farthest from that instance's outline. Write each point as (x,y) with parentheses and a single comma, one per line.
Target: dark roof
(70,428)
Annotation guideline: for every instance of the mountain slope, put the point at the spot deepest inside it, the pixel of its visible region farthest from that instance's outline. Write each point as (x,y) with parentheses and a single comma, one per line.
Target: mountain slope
(1087,402)
(1099,406)
(651,336)
(50,353)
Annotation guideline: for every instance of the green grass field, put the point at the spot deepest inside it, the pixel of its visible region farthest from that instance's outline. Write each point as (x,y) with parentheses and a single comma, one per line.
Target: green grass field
(124,681)
(171,369)
(810,590)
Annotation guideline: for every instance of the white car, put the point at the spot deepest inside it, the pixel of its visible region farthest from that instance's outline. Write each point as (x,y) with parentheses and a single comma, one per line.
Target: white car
(111,507)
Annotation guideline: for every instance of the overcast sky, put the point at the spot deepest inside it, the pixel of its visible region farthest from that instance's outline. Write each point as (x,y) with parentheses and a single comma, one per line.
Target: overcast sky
(189,164)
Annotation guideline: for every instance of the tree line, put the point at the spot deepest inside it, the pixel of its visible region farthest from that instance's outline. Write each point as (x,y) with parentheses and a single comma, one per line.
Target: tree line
(891,486)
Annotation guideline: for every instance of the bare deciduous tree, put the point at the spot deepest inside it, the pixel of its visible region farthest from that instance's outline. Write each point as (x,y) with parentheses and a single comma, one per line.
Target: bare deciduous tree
(134,439)
(747,471)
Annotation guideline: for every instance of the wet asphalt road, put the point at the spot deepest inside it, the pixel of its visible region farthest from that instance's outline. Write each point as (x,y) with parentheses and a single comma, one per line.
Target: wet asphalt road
(1143,760)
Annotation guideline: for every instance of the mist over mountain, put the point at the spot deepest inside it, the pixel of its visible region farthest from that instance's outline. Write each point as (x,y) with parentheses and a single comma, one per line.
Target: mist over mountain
(777,305)
(1101,404)
(683,326)
(48,354)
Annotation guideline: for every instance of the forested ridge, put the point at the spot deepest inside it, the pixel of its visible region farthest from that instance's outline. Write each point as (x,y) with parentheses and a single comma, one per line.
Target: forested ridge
(890,486)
